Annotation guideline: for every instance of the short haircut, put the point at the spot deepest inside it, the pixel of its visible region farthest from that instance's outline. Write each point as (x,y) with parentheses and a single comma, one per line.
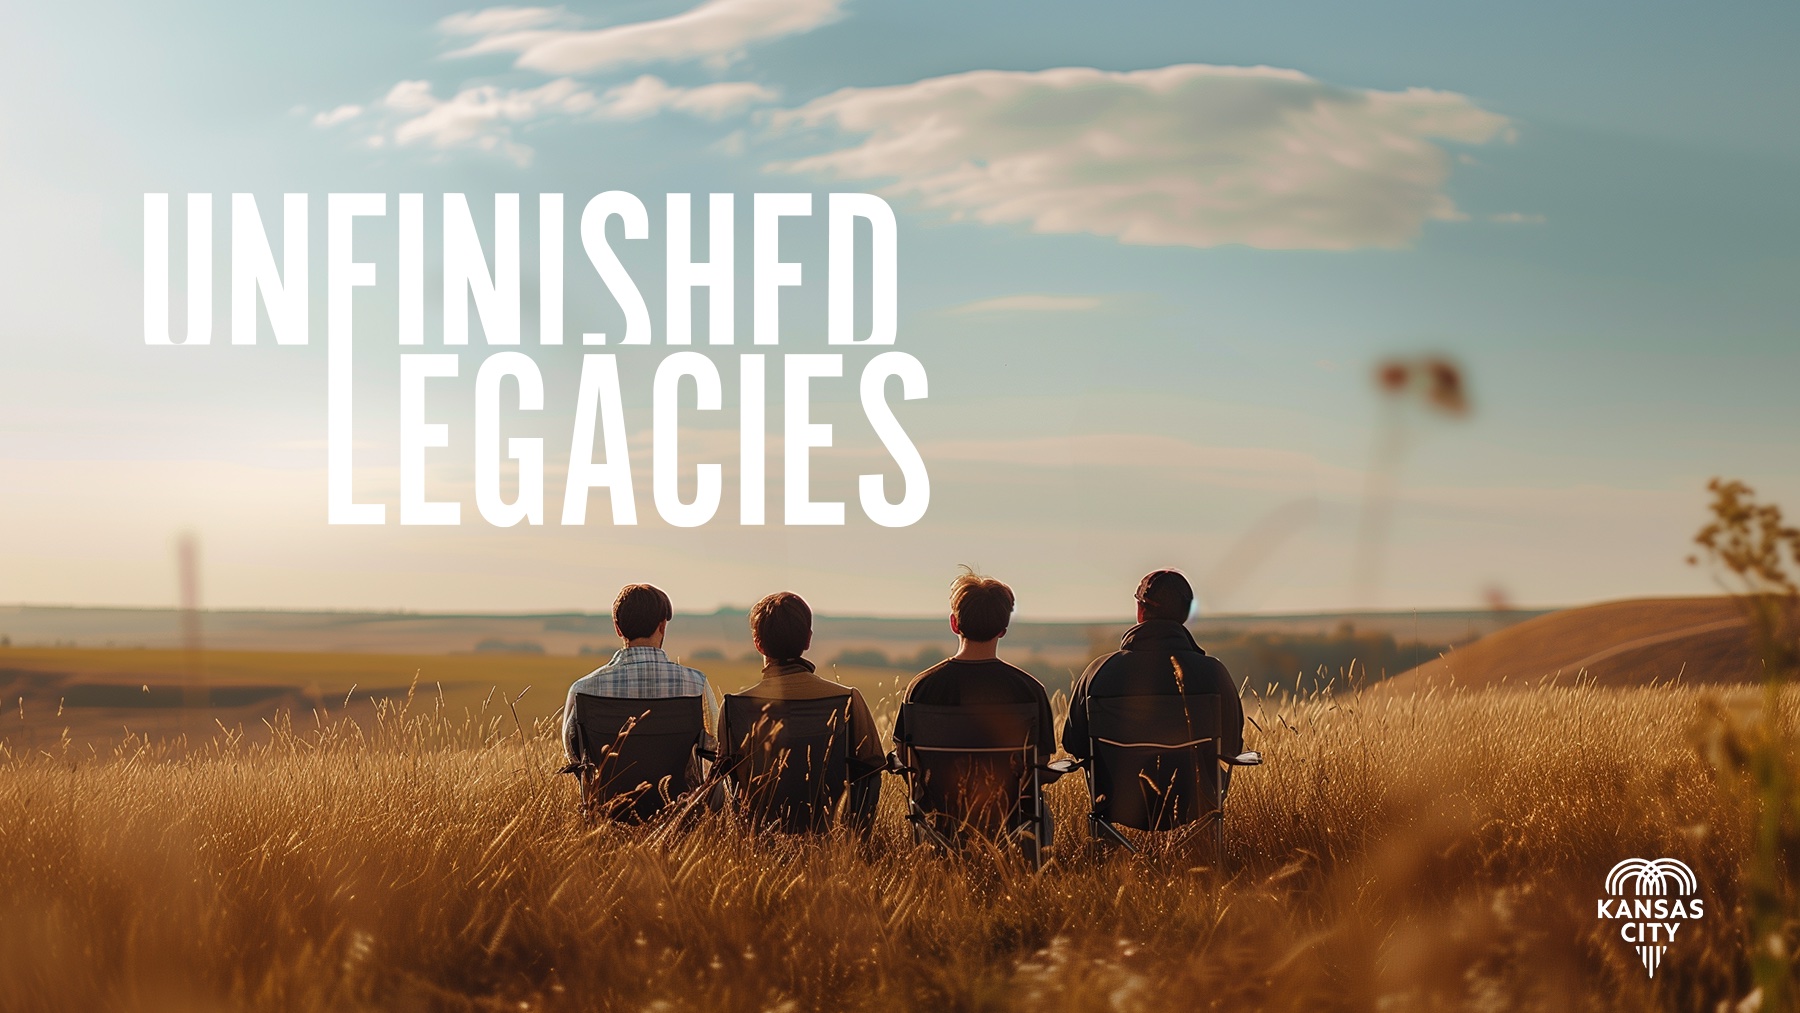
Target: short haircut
(782,625)
(1166,594)
(639,610)
(982,605)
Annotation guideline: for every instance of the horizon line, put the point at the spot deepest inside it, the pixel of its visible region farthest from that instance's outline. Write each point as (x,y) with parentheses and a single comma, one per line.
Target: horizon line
(744,610)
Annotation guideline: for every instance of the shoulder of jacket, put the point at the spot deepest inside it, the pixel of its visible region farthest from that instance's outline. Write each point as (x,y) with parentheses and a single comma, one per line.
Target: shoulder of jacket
(1197,657)
(1210,660)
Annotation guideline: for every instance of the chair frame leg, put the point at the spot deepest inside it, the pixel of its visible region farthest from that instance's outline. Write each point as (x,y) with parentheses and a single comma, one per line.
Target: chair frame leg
(1105,833)
(1031,848)
(590,808)
(922,824)
(1215,823)
(1031,845)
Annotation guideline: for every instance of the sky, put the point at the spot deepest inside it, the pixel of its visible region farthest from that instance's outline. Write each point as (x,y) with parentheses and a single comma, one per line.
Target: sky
(1150,256)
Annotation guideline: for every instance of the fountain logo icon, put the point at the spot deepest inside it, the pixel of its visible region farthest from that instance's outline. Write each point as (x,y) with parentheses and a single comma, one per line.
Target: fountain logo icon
(1651,899)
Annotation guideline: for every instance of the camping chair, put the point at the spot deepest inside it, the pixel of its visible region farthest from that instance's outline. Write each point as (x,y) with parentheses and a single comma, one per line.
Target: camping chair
(635,756)
(1154,764)
(974,771)
(788,761)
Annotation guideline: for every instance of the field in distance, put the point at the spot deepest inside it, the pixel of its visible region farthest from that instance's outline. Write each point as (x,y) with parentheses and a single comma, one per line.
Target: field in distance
(98,695)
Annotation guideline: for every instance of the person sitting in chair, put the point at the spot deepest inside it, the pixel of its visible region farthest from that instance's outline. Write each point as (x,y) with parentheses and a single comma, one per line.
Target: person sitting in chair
(781,630)
(1158,657)
(980,610)
(639,670)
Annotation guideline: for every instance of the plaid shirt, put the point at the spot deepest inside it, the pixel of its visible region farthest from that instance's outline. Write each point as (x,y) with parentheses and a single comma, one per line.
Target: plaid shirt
(638,673)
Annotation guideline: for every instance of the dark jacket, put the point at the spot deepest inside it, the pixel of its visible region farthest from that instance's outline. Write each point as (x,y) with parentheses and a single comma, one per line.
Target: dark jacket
(975,683)
(1156,657)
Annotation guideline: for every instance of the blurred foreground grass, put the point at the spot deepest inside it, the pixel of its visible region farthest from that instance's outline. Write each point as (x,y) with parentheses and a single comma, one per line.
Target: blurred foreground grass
(1395,854)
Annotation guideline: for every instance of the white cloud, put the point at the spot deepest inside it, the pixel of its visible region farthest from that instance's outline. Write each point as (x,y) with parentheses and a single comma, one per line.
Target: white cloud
(649,95)
(409,96)
(1190,155)
(335,116)
(1030,303)
(484,117)
(1517,218)
(480,117)
(715,30)
(496,20)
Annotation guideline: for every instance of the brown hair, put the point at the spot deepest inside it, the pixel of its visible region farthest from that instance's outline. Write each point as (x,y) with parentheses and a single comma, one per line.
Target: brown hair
(781,626)
(982,605)
(1166,594)
(639,610)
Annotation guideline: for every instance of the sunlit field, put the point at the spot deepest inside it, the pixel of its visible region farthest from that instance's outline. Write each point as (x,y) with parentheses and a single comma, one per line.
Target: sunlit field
(1394,854)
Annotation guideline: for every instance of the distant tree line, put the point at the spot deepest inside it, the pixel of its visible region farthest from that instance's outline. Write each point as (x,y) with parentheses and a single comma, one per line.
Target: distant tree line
(1264,662)
(1285,663)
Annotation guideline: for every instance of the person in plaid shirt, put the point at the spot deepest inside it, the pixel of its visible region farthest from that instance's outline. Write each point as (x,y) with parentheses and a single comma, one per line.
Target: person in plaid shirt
(640,669)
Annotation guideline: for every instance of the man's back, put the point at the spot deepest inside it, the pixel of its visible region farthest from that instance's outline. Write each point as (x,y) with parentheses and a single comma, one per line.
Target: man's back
(797,680)
(974,683)
(1157,657)
(637,673)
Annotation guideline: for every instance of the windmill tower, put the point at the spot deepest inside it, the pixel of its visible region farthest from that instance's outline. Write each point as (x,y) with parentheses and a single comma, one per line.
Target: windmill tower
(187,564)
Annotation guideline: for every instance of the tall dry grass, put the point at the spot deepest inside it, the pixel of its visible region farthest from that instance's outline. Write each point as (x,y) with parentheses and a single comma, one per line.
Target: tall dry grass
(1394,854)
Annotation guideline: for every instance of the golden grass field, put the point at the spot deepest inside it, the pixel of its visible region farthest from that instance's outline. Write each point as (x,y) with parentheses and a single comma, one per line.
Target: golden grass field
(1396,853)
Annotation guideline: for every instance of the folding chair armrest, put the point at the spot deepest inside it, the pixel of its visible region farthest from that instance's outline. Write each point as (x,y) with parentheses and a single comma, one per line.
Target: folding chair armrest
(711,755)
(577,767)
(894,766)
(1055,770)
(1248,758)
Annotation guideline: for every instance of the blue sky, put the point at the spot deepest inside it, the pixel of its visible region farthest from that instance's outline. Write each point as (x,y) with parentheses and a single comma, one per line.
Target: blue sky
(1588,206)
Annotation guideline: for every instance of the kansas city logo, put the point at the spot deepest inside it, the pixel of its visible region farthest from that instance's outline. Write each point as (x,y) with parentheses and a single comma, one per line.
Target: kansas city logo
(1650,899)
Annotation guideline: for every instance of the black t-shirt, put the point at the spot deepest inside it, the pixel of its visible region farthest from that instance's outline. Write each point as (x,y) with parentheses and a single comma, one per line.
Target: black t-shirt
(952,683)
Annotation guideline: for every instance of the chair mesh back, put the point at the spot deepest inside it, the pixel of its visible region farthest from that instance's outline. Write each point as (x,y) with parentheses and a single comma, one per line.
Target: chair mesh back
(642,751)
(788,760)
(973,765)
(1155,759)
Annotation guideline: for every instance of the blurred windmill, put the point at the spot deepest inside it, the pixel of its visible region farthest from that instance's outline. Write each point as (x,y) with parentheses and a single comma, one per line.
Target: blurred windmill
(1431,383)
(1252,549)
(187,566)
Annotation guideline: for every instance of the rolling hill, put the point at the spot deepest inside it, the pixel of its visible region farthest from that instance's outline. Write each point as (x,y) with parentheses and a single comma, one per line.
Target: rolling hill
(1620,643)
